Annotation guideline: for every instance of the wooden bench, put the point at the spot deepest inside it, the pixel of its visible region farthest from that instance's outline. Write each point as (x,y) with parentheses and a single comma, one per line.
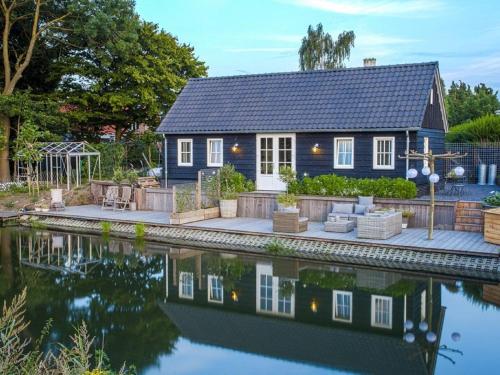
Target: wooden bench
(289,222)
(148,182)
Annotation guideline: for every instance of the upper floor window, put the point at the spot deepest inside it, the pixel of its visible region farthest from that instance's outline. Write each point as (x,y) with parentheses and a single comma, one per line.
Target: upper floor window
(185,152)
(381,311)
(214,152)
(383,152)
(344,153)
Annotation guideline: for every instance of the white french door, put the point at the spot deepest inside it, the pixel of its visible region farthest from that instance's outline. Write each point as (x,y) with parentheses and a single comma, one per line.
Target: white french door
(273,151)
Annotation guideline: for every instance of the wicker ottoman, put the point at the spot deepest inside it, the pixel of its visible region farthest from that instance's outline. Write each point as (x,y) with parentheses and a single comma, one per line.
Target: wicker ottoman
(339,226)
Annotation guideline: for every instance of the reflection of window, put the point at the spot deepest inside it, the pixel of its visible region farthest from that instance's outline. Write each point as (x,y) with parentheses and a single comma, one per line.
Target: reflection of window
(185,152)
(344,153)
(266,293)
(274,295)
(342,306)
(215,289)
(381,311)
(423,305)
(383,153)
(186,285)
(214,152)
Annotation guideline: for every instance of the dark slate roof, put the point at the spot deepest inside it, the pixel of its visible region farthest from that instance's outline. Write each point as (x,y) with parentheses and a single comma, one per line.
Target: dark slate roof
(343,349)
(391,97)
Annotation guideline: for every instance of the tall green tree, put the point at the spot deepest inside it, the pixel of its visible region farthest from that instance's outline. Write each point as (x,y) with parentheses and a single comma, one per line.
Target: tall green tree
(320,51)
(464,103)
(133,85)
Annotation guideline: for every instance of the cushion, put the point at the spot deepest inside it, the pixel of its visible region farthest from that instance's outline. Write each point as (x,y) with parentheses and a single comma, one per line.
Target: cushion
(365,201)
(360,209)
(342,208)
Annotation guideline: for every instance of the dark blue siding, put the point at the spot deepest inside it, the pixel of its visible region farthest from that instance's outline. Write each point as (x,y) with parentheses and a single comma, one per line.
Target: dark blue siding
(436,144)
(243,160)
(307,161)
(322,162)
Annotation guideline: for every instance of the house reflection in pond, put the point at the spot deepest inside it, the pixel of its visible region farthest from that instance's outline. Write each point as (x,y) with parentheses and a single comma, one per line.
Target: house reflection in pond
(337,317)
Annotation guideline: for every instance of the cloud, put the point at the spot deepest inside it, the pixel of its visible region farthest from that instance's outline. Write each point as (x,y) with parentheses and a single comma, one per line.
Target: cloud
(382,40)
(260,49)
(365,7)
(485,69)
(284,38)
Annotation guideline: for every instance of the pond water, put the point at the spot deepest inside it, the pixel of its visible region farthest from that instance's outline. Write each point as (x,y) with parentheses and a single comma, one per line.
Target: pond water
(175,310)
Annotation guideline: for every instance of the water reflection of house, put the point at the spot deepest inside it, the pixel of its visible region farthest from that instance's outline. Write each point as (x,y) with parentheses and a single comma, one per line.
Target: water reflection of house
(491,294)
(331,314)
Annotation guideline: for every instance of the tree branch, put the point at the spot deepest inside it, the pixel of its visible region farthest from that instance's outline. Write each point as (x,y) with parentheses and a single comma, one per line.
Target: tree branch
(5,45)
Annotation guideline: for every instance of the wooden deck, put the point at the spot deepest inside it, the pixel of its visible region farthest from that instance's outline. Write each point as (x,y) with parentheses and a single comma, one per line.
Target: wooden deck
(444,240)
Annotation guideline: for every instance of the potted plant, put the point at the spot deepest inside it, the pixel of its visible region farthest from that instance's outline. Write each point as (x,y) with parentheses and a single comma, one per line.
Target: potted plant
(287,201)
(407,215)
(230,184)
(492,200)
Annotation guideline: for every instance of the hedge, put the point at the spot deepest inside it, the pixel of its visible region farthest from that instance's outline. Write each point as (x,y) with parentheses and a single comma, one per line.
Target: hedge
(482,129)
(340,186)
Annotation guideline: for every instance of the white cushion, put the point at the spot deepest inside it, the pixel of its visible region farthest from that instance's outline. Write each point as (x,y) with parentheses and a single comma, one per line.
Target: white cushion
(342,208)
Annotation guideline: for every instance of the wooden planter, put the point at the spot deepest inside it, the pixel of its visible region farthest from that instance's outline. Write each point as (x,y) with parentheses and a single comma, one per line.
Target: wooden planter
(187,217)
(211,213)
(228,207)
(492,226)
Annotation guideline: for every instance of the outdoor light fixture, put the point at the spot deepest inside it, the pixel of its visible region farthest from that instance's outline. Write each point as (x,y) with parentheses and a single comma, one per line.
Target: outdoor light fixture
(411,173)
(431,337)
(235,147)
(408,324)
(423,326)
(306,174)
(315,148)
(459,171)
(409,337)
(234,296)
(455,336)
(434,178)
(426,171)
(314,306)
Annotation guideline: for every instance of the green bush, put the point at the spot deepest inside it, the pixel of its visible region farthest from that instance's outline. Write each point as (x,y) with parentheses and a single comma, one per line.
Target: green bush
(232,182)
(493,199)
(140,230)
(105,227)
(340,186)
(482,129)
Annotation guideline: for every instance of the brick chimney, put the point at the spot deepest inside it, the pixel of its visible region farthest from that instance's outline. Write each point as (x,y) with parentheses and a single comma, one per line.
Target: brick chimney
(369,61)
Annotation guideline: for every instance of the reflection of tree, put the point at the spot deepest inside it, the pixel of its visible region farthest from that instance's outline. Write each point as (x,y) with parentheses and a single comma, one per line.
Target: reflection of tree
(119,305)
(327,279)
(474,293)
(7,274)
(231,270)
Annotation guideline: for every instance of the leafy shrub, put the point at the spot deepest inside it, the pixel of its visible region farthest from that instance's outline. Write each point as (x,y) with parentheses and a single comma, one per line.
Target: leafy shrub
(140,230)
(287,200)
(132,176)
(232,183)
(340,186)
(105,227)
(275,247)
(118,176)
(482,129)
(493,199)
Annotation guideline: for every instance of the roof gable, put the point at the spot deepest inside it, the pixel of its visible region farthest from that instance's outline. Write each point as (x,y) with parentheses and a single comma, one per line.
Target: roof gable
(389,97)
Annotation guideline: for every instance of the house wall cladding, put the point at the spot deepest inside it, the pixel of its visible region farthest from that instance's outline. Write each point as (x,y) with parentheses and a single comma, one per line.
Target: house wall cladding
(306,161)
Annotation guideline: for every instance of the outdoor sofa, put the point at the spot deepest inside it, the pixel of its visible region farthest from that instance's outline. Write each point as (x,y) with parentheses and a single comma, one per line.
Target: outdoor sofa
(351,211)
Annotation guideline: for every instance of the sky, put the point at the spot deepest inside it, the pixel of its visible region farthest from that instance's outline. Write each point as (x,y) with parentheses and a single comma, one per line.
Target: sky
(256,36)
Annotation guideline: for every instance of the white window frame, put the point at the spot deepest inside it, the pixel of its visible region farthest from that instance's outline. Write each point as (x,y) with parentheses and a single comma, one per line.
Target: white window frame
(209,289)
(334,310)
(423,305)
(373,312)
(209,163)
(336,164)
(267,271)
(179,152)
(426,150)
(393,153)
(181,284)
(431,98)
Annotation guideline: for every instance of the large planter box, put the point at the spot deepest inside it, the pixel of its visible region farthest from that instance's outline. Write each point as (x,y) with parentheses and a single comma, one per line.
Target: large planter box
(211,213)
(492,226)
(187,217)
(228,207)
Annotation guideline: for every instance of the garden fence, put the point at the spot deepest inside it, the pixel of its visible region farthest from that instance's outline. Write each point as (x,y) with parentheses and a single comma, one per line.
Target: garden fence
(477,153)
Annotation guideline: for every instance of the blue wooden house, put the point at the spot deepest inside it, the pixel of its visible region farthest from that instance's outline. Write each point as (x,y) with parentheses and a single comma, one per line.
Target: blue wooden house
(352,122)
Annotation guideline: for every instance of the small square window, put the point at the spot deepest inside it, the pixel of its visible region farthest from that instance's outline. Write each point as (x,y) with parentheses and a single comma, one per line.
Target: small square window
(185,152)
(343,153)
(381,311)
(214,152)
(186,285)
(342,306)
(383,152)
(215,289)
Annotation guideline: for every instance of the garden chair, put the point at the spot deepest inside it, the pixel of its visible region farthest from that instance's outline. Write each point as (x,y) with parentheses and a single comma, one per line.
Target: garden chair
(289,222)
(124,200)
(110,197)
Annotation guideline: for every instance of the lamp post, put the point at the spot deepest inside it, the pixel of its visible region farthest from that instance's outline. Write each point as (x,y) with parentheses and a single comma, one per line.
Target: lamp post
(428,170)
